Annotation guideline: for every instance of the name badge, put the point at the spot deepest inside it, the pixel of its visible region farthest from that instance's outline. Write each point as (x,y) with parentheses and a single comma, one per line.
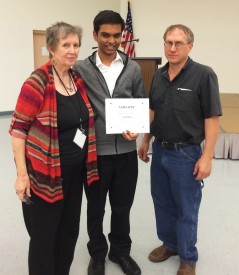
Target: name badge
(79,138)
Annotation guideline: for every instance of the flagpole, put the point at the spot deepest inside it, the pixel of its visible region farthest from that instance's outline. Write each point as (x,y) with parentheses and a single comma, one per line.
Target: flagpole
(127,42)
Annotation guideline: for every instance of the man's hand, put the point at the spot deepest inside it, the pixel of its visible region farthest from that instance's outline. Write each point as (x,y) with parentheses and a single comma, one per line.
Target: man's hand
(143,150)
(202,168)
(130,136)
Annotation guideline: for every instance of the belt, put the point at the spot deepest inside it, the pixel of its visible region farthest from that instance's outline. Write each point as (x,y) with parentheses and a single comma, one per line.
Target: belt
(172,145)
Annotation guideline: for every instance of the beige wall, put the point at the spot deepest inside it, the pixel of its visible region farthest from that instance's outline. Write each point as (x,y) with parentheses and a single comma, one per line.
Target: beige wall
(18,19)
(215,24)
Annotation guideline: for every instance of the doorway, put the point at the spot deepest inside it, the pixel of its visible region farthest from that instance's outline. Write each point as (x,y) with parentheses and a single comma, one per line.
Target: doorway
(41,54)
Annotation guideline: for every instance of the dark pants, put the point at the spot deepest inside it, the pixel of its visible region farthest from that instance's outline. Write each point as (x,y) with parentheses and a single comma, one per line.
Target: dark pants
(54,227)
(118,178)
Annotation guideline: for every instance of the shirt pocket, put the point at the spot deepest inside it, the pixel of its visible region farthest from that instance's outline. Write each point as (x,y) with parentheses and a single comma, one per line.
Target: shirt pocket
(184,100)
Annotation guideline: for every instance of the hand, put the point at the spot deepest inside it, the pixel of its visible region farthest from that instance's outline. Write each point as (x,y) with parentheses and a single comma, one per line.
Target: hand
(143,150)
(202,168)
(130,136)
(22,186)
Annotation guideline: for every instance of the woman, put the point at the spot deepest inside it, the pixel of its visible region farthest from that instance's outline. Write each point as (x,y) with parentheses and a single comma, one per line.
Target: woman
(53,142)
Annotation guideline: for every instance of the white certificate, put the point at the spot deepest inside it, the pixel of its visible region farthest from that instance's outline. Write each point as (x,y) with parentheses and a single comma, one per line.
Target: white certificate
(130,114)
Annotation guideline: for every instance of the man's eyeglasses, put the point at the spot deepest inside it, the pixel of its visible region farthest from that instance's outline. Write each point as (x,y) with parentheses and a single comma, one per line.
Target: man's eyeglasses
(178,45)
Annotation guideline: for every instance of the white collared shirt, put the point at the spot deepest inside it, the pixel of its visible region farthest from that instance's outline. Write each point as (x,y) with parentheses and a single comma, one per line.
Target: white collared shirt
(112,72)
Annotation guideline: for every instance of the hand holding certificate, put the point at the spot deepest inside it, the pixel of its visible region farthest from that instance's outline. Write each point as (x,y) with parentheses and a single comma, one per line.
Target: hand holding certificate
(124,114)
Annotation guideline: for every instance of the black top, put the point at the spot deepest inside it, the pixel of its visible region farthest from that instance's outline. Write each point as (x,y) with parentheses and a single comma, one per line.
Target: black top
(72,113)
(181,105)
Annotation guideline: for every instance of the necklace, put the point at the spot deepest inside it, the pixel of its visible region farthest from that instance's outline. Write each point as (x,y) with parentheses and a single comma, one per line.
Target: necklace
(70,84)
(71,87)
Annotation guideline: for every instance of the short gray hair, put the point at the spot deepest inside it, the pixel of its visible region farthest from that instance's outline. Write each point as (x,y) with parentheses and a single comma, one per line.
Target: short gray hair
(185,29)
(60,30)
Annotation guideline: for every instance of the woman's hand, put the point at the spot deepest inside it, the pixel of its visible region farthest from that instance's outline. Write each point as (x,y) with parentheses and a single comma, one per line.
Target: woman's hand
(22,183)
(22,186)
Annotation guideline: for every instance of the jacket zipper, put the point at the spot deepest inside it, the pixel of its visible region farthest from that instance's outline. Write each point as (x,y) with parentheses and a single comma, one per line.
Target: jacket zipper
(116,82)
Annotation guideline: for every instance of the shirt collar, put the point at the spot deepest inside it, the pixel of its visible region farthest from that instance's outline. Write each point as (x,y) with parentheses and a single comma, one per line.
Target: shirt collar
(99,63)
(165,68)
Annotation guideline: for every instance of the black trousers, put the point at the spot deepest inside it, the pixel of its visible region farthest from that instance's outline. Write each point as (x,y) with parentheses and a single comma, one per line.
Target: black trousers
(54,227)
(118,178)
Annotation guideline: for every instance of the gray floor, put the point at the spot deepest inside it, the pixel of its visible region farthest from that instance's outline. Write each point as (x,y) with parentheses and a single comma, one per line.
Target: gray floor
(218,238)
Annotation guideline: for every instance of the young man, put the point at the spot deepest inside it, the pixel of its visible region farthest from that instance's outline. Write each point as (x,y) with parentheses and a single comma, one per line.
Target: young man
(185,109)
(109,73)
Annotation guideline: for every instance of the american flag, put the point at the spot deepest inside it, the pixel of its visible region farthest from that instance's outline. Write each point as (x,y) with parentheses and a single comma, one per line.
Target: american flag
(128,36)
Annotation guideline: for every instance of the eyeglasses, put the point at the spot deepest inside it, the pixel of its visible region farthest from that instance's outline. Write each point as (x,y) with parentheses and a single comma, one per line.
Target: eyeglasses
(178,45)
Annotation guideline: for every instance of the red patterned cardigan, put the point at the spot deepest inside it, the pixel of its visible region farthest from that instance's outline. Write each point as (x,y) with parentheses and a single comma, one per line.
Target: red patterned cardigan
(35,120)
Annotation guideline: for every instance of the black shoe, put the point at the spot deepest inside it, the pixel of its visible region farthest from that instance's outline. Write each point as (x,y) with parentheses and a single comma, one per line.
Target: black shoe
(128,265)
(96,267)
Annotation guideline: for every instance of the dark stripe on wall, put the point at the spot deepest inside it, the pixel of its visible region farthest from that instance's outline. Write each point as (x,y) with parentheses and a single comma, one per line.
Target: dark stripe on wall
(7,113)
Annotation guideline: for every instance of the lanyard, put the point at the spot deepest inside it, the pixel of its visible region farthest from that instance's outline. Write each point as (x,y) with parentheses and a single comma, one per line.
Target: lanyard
(78,110)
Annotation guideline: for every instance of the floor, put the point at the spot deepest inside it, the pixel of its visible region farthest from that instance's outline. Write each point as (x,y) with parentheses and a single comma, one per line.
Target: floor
(218,237)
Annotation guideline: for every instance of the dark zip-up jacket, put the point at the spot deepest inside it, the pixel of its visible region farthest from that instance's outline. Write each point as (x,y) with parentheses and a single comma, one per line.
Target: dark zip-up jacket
(128,85)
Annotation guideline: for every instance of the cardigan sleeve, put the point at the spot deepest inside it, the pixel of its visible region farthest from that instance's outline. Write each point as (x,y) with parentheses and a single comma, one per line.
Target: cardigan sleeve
(29,101)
